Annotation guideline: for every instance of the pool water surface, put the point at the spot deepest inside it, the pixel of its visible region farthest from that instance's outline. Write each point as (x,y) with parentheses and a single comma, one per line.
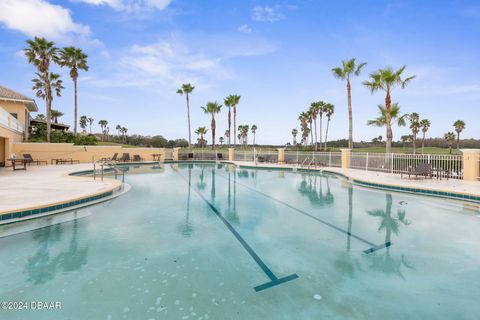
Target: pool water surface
(212,241)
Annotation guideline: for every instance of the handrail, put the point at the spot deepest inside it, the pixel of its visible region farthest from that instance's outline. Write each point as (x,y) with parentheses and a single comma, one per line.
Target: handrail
(306,158)
(110,164)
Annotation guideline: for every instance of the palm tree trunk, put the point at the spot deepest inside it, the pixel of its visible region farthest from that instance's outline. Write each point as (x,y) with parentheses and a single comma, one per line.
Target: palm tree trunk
(350,117)
(423,141)
(321,124)
(326,133)
(213,132)
(234,126)
(76,106)
(315,123)
(254,139)
(388,108)
(49,120)
(189,127)
(414,140)
(311,132)
(458,140)
(229,125)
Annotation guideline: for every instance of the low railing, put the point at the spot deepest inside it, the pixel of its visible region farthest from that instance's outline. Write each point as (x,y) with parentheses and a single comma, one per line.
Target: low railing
(10,122)
(321,159)
(244,155)
(450,166)
(190,154)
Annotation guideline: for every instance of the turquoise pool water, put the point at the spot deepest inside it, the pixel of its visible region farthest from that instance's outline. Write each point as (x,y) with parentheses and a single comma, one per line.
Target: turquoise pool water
(204,241)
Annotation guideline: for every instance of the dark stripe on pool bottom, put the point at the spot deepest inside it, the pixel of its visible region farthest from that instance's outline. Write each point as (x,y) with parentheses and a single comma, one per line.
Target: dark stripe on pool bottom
(373,248)
(274,280)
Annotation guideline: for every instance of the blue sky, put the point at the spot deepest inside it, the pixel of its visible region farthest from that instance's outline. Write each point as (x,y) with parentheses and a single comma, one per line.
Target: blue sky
(276,54)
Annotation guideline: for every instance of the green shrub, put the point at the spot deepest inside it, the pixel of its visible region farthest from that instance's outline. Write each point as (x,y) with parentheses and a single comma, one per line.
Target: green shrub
(89,140)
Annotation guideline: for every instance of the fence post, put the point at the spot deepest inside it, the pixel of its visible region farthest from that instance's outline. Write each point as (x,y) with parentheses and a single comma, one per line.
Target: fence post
(175,154)
(366,162)
(346,154)
(297,158)
(330,159)
(231,154)
(471,164)
(392,159)
(281,155)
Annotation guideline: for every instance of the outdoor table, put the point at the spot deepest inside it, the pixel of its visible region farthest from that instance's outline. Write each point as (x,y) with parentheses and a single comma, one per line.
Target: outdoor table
(156,156)
(63,161)
(56,160)
(17,161)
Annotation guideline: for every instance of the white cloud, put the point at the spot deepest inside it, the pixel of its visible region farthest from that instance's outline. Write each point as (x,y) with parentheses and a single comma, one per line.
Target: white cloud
(267,13)
(131,5)
(41,18)
(245,29)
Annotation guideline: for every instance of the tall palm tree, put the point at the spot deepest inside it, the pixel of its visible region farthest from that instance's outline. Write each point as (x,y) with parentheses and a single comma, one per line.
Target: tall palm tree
(450,137)
(425,125)
(329,109)
(303,117)
(294,134)
(124,134)
(212,108)
(41,53)
(186,90)
(201,131)
(43,86)
(228,101)
(55,114)
(459,127)
(314,108)
(103,125)
(119,129)
(254,131)
(74,59)
(415,127)
(348,69)
(386,80)
(83,124)
(320,105)
(381,120)
(233,100)
(310,121)
(227,136)
(90,122)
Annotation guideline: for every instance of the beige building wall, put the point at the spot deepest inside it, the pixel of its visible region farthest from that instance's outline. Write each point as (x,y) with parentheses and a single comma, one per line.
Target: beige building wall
(7,139)
(84,154)
(16,107)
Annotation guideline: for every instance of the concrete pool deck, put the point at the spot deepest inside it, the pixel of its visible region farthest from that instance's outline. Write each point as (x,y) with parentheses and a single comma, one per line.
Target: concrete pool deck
(41,186)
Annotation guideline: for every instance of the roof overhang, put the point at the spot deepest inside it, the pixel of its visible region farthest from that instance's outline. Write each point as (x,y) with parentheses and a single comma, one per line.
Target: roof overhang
(30,104)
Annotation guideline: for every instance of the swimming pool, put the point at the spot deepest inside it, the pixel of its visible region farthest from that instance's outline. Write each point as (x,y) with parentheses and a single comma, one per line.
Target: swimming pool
(209,241)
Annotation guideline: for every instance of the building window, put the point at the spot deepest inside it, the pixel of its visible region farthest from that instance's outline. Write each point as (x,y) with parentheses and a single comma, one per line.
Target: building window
(15,115)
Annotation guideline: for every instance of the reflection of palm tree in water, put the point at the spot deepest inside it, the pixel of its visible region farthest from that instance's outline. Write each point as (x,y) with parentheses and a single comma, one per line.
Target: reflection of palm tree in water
(201,184)
(41,268)
(384,262)
(186,228)
(232,214)
(309,189)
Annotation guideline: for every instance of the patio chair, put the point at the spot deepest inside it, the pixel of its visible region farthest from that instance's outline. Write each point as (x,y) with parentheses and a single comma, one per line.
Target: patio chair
(220,156)
(137,158)
(114,158)
(190,156)
(422,169)
(30,160)
(125,157)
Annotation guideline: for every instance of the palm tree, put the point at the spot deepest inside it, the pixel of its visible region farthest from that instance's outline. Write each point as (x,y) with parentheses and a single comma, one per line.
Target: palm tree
(83,124)
(459,127)
(386,80)
(227,136)
(41,53)
(303,117)
(381,120)
(212,108)
(124,134)
(119,129)
(329,109)
(103,125)
(90,122)
(425,125)
(74,59)
(55,114)
(233,101)
(450,137)
(314,109)
(221,140)
(405,139)
(415,126)
(186,90)
(43,86)
(201,131)
(254,131)
(310,121)
(294,134)
(228,101)
(320,105)
(348,69)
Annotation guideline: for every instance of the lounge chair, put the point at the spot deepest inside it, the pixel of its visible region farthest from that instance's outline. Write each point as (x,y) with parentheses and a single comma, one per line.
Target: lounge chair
(137,158)
(422,169)
(125,157)
(30,160)
(114,158)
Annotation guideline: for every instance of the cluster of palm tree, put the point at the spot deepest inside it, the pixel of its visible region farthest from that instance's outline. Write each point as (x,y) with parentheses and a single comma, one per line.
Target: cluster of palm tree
(243,133)
(308,124)
(450,136)
(104,127)
(42,54)
(84,121)
(122,133)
